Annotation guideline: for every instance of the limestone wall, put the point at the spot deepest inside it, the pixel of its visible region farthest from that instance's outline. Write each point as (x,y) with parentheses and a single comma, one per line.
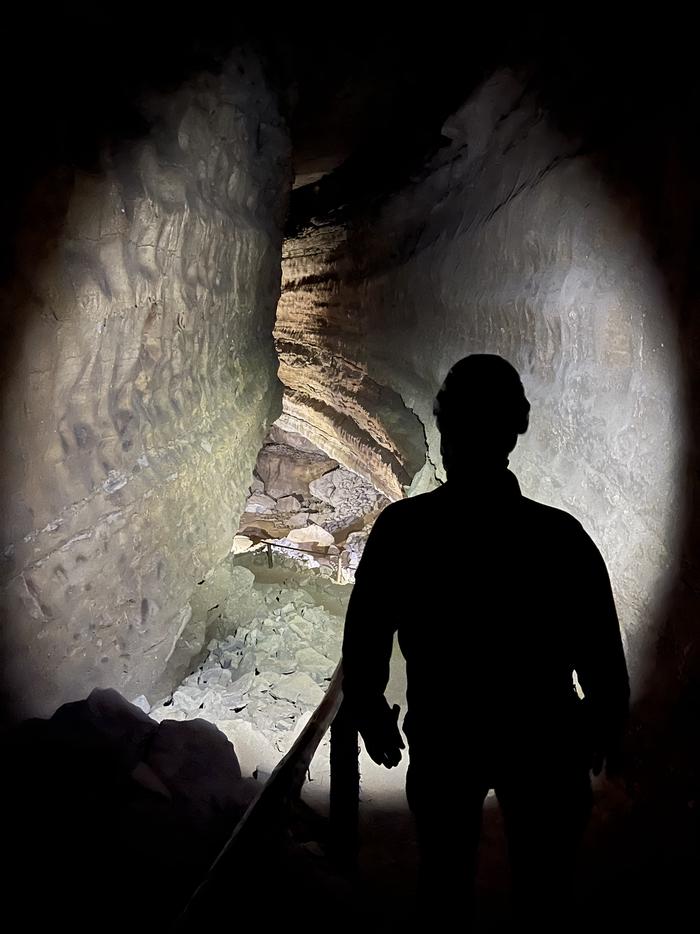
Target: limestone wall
(138,385)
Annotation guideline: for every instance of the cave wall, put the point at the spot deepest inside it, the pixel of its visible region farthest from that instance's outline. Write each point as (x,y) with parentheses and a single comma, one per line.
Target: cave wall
(510,243)
(331,396)
(138,385)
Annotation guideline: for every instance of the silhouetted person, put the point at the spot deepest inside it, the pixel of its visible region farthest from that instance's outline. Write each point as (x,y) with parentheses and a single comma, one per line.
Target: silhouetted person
(497,600)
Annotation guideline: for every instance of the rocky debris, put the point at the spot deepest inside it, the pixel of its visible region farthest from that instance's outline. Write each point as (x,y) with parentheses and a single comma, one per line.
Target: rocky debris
(255,751)
(105,725)
(99,789)
(224,593)
(349,489)
(198,765)
(260,503)
(193,762)
(312,661)
(312,535)
(257,486)
(241,544)
(303,499)
(267,668)
(298,520)
(354,546)
(349,496)
(289,504)
(298,688)
(285,468)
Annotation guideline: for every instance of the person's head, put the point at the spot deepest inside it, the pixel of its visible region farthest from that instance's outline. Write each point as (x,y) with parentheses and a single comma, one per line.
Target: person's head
(481,409)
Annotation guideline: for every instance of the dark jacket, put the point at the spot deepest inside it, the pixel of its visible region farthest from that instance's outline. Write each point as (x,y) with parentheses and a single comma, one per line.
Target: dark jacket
(497,599)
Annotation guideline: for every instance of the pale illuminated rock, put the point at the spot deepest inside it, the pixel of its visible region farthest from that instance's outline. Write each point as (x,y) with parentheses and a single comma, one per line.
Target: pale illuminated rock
(298,687)
(241,544)
(311,534)
(260,503)
(142,387)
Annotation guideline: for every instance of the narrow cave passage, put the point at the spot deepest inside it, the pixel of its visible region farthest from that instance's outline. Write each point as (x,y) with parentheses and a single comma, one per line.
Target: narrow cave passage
(234,278)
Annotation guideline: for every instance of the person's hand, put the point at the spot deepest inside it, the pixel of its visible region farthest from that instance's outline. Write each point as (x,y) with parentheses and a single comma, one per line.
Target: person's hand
(382,737)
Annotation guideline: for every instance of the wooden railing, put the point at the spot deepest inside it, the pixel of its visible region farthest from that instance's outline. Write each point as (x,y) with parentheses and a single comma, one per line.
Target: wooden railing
(266,817)
(270,544)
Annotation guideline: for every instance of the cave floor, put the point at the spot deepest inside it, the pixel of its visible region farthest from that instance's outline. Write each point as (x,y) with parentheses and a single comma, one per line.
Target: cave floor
(622,882)
(633,873)
(388,857)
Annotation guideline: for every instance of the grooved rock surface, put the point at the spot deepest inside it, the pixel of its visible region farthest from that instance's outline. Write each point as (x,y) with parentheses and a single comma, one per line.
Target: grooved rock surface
(330,396)
(141,386)
(509,243)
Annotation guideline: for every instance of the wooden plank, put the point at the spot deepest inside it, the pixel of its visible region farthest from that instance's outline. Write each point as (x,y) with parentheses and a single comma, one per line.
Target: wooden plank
(283,786)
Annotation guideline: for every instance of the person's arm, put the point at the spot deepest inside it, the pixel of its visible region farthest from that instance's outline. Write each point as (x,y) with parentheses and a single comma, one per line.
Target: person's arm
(370,623)
(600,658)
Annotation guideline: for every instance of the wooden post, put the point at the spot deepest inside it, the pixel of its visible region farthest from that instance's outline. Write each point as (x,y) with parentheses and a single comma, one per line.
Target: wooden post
(269,554)
(345,788)
(337,579)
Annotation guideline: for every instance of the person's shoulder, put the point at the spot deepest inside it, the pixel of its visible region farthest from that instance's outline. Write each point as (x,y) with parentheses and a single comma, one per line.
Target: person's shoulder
(566,534)
(412,505)
(558,520)
(407,511)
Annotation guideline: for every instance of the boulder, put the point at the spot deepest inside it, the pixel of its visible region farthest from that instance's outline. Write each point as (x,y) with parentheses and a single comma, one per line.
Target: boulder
(311,534)
(241,544)
(259,503)
(285,470)
(257,486)
(298,520)
(197,764)
(288,504)
(313,663)
(299,688)
(105,724)
(253,750)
